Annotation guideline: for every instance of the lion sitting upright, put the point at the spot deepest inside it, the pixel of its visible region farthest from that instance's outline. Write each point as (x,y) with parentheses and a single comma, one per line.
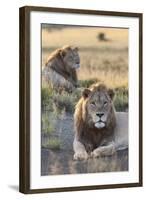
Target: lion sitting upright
(97,123)
(60,69)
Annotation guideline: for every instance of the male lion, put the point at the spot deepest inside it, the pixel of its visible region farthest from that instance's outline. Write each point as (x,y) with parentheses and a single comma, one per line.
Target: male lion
(60,69)
(95,124)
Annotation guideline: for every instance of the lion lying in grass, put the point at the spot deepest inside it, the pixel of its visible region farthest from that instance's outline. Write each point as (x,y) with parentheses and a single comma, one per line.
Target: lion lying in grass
(97,125)
(60,69)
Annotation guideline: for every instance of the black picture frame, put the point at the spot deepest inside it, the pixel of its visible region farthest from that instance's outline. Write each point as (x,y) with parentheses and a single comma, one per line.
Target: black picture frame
(24,76)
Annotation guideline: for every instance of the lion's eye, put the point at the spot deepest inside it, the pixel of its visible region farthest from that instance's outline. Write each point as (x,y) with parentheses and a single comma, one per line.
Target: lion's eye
(105,103)
(92,103)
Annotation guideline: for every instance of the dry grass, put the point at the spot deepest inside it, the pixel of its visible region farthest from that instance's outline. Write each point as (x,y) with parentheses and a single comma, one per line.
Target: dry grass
(108,67)
(104,61)
(84,37)
(100,61)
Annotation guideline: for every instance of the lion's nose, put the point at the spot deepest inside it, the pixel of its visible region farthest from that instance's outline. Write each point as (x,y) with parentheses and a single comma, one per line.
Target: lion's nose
(99,114)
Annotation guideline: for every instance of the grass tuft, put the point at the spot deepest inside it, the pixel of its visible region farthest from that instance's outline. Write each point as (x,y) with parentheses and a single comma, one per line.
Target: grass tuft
(52,143)
(88,82)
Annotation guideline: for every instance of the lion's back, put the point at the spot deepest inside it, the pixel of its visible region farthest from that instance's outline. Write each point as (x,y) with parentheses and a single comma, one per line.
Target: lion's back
(121,130)
(57,73)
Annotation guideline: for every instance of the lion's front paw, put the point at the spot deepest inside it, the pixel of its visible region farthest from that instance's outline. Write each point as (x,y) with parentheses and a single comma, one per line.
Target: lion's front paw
(104,151)
(96,153)
(83,155)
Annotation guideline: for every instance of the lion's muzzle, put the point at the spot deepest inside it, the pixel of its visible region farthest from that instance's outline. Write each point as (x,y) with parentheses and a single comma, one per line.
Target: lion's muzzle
(100,120)
(100,124)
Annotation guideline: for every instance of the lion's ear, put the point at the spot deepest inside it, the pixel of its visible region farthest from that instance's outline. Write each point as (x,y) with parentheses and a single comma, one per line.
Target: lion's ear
(86,93)
(62,52)
(76,48)
(111,93)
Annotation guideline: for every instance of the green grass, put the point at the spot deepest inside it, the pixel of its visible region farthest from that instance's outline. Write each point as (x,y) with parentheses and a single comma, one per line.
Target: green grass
(121,99)
(66,101)
(47,94)
(55,102)
(52,143)
(87,83)
(48,122)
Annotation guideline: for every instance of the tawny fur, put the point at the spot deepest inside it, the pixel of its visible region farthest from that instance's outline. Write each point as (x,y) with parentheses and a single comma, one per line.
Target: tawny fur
(85,132)
(58,72)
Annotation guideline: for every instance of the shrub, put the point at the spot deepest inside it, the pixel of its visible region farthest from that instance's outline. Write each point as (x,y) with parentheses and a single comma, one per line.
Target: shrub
(47,94)
(102,37)
(88,83)
(49,120)
(55,102)
(52,143)
(65,101)
(121,99)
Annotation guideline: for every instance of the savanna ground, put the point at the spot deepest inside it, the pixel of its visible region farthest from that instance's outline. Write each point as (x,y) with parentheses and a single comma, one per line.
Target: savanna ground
(104,58)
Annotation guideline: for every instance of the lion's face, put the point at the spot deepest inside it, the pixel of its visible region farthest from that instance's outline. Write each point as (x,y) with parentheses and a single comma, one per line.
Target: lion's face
(99,106)
(71,57)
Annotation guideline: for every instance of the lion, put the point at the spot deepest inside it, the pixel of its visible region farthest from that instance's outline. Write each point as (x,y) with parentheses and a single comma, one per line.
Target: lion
(96,124)
(60,69)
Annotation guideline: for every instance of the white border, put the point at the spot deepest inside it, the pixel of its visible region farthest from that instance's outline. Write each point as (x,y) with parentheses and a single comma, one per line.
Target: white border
(132,176)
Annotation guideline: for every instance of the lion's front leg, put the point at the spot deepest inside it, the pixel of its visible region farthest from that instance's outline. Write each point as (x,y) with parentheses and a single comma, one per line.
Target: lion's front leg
(80,151)
(104,150)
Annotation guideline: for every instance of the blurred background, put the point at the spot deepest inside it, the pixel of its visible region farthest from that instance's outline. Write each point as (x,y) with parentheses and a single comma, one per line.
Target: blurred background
(103,51)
